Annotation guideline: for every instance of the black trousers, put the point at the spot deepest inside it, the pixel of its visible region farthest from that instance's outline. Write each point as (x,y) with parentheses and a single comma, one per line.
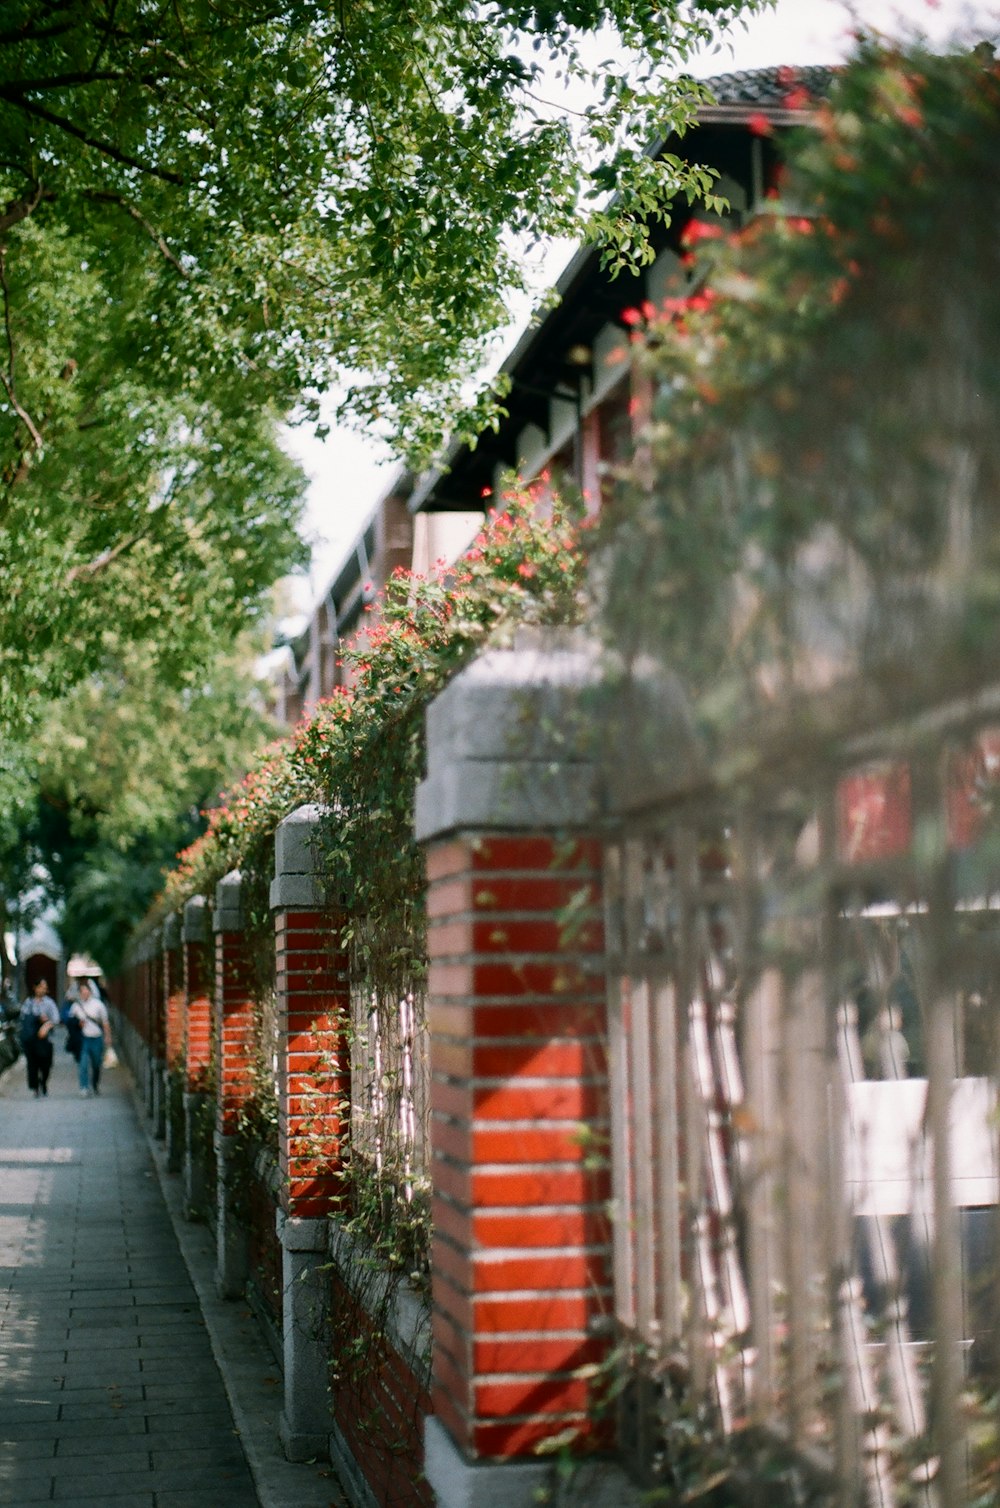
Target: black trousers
(38,1061)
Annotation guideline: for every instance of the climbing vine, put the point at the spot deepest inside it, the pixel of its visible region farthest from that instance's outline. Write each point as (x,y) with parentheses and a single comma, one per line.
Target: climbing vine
(360,756)
(813,511)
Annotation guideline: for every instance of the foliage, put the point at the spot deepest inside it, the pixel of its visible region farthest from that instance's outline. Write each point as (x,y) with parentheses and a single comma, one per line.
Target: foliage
(824,437)
(211,214)
(360,756)
(317,192)
(121,767)
(361,752)
(135,516)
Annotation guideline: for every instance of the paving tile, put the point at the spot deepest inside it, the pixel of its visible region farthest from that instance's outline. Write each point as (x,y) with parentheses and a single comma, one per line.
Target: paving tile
(227,1454)
(212,1498)
(134,1463)
(14,1412)
(112,1338)
(25,1450)
(16,1488)
(103,1490)
(111,1394)
(104,1444)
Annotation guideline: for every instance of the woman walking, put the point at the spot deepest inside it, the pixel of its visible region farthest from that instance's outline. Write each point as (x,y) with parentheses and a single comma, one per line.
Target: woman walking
(39,1014)
(95,1028)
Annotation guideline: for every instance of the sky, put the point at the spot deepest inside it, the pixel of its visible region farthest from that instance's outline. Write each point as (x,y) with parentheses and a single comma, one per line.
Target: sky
(348,473)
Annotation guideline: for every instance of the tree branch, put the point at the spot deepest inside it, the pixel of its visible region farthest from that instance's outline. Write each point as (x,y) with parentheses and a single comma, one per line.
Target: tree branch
(24,34)
(106,197)
(92,568)
(7,378)
(104,147)
(16,210)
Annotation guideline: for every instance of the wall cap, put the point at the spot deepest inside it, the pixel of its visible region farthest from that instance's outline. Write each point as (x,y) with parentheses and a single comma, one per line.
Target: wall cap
(460,1483)
(511,741)
(298,875)
(194,928)
(555,733)
(228,914)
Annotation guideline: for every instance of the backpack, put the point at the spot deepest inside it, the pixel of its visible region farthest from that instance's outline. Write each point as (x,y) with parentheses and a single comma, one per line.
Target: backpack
(30,1023)
(74,1037)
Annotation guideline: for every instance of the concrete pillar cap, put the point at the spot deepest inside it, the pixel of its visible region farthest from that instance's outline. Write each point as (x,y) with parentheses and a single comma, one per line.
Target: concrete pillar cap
(554,734)
(299,881)
(228,915)
(194,928)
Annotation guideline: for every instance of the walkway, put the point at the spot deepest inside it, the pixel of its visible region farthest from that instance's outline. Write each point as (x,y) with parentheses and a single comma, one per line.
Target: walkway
(110,1336)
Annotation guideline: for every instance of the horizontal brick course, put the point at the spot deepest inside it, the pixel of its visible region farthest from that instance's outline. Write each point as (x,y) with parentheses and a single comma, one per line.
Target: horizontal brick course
(538,1353)
(521,1437)
(517,1038)
(538,1394)
(579,1226)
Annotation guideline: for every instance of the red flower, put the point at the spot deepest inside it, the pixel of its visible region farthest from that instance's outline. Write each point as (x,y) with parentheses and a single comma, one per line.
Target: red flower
(631,317)
(797,99)
(760,125)
(700,230)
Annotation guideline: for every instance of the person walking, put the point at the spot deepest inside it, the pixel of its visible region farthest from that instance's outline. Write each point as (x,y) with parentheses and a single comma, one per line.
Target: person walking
(39,1015)
(95,1028)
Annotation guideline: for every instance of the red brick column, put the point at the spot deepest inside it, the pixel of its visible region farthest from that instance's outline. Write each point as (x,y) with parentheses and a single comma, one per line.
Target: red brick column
(519,1087)
(197,1061)
(173,1040)
(197,1055)
(313,988)
(314,1060)
(234,1045)
(518,1066)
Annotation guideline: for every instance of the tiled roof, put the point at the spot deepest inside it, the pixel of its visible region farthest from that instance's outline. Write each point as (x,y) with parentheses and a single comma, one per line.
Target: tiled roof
(763,87)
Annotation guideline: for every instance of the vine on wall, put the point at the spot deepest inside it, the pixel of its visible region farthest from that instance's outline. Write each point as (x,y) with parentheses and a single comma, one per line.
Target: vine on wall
(360,756)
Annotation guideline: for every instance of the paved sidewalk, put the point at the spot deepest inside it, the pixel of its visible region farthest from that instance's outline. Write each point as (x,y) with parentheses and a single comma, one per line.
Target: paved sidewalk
(110,1391)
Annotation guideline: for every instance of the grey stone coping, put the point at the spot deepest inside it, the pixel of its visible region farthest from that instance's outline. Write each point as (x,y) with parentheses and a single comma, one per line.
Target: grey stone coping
(511,741)
(172,932)
(460,1483)
(407,1320)
(228,914)
(553,735)
(298,874)
(194,928)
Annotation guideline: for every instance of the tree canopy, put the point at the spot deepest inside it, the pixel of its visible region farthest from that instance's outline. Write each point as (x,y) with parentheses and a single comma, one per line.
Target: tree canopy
(214,213)
(327,192)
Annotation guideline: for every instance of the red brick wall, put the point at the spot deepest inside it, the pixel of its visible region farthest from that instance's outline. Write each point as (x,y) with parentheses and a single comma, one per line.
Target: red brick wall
(517,1046)
(380,1403)
(234,1026)
(173,989)
(197,1017)
(314,1085)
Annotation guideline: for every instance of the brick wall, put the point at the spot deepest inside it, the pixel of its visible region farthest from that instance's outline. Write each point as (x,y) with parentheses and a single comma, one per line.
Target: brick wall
(314,1074)
(381,1400)
(521,1236)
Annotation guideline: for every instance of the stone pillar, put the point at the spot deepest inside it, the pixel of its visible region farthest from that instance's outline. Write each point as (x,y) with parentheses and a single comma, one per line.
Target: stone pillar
(156,1102)
(521,1247)
(197,1048)
(313,989)
(234,1025)
(151,994)
(173,1085)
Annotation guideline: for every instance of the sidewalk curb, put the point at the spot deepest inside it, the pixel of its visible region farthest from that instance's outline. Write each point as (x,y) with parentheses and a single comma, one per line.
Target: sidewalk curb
(249,1374)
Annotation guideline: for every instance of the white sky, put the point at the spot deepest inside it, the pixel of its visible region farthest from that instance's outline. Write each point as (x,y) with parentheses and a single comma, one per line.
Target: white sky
(348,473)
